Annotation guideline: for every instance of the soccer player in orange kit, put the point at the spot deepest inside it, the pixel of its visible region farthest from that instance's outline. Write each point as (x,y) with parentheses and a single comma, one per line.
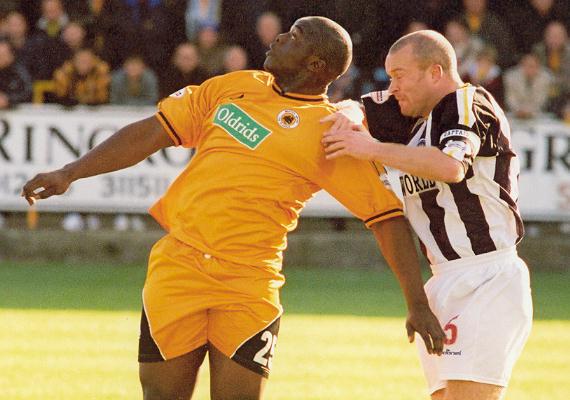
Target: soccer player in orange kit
(213,281)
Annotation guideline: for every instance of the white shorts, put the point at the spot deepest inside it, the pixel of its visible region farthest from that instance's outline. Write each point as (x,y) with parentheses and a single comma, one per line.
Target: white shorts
(484,304)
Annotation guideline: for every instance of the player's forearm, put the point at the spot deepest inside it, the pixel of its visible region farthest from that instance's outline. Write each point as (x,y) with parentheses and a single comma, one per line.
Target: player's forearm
(395,241)
(125,148)
(423,162)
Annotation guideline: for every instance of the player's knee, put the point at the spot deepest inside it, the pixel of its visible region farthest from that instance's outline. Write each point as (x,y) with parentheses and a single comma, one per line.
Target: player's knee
(154,391)
(467,390)
(159,389)
(236,396)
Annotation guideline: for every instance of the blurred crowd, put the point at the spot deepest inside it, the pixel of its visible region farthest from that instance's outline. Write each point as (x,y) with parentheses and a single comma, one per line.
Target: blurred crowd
(134,52)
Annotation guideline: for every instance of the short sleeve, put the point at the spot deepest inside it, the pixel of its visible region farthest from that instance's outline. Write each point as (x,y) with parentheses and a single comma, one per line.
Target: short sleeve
(384,119)
(359,186)
(456,133)
(182,113)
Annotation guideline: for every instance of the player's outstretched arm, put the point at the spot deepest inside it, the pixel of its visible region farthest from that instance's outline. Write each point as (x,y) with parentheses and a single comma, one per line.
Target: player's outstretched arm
(345,139)
(395,241)
(125,148)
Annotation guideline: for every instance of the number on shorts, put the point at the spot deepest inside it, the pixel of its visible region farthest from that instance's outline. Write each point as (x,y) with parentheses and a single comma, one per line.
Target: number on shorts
(265,355)
(450,339)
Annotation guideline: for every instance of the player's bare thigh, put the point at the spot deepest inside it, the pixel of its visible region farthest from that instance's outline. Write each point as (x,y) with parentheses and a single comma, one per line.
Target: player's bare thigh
(468,390)
(229,380)
(171,379)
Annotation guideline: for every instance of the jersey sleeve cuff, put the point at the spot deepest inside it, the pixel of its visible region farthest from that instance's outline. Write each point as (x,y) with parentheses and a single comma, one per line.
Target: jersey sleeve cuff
(394,212)
(168,128)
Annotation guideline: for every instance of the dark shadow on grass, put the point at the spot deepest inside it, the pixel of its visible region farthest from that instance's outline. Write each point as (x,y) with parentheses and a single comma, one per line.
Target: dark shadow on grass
(334,291)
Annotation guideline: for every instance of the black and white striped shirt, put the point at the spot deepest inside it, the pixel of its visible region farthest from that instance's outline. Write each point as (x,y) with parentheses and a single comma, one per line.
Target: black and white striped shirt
(479,214)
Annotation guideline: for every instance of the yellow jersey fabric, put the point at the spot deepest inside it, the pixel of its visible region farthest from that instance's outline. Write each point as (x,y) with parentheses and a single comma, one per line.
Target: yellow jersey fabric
(258,160)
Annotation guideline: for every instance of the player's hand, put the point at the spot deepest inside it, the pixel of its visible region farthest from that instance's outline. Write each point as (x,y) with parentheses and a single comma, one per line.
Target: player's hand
(46,185)
(424,322)
(355,141)
(340,120)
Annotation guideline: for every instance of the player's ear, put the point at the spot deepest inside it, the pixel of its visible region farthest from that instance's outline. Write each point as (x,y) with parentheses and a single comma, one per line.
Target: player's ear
(316,64)
(436,72)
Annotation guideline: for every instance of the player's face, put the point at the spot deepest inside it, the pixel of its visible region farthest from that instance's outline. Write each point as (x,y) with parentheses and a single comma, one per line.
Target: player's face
(410,83)
(289,51)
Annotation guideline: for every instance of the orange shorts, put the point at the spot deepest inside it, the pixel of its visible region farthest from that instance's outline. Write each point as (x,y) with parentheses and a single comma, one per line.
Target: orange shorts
(192,299)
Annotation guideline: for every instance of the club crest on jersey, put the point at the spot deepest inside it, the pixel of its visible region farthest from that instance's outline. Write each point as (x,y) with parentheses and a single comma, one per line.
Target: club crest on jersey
(240,125)
(288,119)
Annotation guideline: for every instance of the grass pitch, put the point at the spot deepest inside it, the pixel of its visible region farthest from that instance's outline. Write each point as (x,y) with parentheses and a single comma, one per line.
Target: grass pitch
(70,332)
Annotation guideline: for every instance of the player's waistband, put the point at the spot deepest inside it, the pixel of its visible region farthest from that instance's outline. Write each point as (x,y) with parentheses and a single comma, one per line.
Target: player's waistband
(478,260)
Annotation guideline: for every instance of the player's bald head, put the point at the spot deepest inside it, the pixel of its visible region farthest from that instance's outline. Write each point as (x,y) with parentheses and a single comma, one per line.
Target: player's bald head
(330,42)
(429,47)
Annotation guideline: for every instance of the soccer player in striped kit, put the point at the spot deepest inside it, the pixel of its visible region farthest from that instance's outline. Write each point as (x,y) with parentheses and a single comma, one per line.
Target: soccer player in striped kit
(458,173)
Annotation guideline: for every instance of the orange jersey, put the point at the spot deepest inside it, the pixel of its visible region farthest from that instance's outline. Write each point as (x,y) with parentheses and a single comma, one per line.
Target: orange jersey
(258,160)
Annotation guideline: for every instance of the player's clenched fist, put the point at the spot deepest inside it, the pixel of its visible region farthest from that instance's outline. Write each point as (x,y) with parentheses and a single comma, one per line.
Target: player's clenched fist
(46,185)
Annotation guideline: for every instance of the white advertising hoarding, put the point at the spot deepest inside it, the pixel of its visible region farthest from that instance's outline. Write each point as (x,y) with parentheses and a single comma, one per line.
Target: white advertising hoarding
(34,140)
(37,139)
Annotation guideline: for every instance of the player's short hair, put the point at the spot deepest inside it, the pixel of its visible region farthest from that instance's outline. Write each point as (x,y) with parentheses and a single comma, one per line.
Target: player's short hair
(331,43)
(429,47)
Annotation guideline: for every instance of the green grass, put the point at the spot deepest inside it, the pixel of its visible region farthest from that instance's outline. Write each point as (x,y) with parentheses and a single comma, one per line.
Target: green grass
(70,332)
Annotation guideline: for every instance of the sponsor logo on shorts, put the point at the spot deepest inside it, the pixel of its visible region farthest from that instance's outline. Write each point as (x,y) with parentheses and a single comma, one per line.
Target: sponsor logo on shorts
(240,125)
(448,352)
(288,119)
(451,331)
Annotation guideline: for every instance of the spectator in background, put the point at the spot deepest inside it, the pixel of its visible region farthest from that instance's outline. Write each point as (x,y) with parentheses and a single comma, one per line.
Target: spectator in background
(344,87)
(267,27)
(53,18)
(210,48)
(484,71)
(415,25)
(199,13)
(107,30)
(465,45)
(83,80)
(370,39)
(491,29)
(237,21)
(44,51)
(527,87)
(554,53)
(235,59)
(185,70)
(148,31)
(3,33)
(134,84)
(16,31)
(15,83)
(6,6)
(434,12)
(533,16)
(74,36)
